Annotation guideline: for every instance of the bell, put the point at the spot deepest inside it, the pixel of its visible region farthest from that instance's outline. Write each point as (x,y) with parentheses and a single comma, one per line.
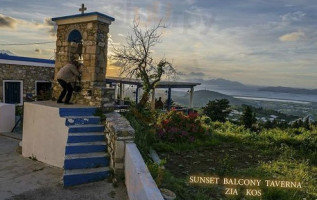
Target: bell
(81,60)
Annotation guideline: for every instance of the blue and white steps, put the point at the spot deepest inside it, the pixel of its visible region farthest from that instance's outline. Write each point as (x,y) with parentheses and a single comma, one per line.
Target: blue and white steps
(86,158)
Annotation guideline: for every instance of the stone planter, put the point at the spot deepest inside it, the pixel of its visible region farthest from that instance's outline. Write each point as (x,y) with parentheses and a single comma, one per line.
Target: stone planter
(167,194)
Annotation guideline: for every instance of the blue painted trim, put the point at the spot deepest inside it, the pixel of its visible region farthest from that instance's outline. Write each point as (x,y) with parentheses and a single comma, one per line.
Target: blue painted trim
(85,149)
(26,59)
(64,112)
(77,179)
(90,138)
(82,129)
(83,15)
(83,163)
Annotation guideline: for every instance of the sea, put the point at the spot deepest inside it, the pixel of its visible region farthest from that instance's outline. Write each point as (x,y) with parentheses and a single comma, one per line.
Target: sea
(253,93)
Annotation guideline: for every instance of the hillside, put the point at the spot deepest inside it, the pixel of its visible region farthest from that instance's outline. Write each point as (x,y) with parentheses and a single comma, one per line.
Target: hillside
(202,97)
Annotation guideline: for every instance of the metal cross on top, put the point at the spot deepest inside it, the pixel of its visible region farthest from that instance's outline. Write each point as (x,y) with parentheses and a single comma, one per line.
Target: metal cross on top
(83,8)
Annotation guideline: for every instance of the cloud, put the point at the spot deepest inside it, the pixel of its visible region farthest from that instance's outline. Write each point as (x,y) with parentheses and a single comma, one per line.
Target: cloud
(292,37)
(7,22)
(13,23)
(190,2)
(293,16)
(117,64)
(47,24)
(37,50)
(52,26)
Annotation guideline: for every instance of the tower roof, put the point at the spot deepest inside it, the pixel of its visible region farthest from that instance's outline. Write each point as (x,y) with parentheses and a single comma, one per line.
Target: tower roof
(83,18)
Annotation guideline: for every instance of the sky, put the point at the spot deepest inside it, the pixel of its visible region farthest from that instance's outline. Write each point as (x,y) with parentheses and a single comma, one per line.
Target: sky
(256,42)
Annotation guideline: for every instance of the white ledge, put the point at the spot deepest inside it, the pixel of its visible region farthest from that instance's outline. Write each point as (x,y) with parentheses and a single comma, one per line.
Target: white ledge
(139,182)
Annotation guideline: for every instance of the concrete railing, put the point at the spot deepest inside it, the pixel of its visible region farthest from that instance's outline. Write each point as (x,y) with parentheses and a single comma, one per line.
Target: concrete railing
(139,182)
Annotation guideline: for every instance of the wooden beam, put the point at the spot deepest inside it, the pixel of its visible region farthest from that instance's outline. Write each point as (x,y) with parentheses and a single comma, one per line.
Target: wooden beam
(121,94)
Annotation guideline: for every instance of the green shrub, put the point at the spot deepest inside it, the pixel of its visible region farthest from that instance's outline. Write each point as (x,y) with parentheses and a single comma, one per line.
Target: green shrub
(143,121)
(217,110)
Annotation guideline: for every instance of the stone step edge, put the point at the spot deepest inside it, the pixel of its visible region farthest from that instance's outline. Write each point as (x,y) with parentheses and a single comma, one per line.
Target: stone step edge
(86,155)
(86,134)
(86,143)
(76,117)
(85,126)
(70,172)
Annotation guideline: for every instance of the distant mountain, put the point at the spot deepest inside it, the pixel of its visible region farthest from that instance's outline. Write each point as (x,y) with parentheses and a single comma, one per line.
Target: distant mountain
(290,90)
(223,82)
(220,83)
(202,97)
(7,52)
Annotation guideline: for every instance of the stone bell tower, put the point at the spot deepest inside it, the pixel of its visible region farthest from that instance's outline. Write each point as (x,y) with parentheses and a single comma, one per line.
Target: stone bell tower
(85,36)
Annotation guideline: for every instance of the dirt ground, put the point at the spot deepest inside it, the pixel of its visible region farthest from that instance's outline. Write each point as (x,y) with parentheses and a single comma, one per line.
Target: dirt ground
(22,178)
(212,160)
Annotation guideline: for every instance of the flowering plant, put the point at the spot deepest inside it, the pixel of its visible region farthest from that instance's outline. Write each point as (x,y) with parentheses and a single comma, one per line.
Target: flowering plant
(175,126)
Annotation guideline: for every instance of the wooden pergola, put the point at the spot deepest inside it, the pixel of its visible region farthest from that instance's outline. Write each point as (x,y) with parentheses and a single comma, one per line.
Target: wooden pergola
(162,84)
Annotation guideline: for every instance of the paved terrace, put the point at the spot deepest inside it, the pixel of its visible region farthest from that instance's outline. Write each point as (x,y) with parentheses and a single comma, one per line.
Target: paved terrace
(22,178)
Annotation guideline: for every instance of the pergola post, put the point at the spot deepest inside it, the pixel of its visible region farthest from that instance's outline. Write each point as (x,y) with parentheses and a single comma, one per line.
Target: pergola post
(191,94)
(153,99)
(137,95)
(121,93)
(116,92)
(169,98)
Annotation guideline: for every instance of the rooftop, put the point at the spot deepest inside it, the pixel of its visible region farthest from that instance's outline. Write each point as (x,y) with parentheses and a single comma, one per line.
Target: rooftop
(161,84)
(19,60)
(98,14)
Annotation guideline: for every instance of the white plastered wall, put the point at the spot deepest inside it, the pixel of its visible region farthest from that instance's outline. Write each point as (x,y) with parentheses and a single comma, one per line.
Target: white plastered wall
(7,117)
(44,134)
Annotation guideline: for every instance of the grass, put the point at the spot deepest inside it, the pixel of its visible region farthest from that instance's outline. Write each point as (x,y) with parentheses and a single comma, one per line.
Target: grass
(231,151)
(271,154)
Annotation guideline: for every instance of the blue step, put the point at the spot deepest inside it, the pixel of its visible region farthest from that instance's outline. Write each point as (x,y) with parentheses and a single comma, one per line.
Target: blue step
(86,128)
(81,120)
(64,112)
(85,137)
(80,176)
(85,147)
(88,160)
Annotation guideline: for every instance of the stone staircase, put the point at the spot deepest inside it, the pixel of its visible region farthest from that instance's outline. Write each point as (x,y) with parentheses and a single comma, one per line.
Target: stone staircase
(86,157)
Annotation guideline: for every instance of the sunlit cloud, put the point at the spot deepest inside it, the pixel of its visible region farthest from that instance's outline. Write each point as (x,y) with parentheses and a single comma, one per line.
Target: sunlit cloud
(7,22)
(291,37)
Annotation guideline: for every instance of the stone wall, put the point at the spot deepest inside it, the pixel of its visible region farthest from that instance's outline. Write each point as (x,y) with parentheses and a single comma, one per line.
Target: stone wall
(118,133)
(27,74)
(98,96)
(94,53)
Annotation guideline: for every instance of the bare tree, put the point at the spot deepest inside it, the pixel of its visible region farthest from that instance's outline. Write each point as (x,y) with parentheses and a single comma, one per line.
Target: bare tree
(136,60)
